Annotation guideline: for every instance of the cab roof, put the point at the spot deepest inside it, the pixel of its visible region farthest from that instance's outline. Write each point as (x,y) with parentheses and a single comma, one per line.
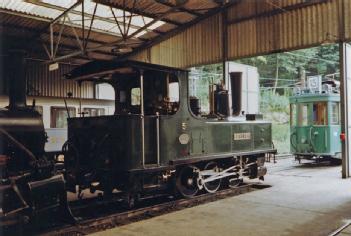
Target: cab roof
(102,69)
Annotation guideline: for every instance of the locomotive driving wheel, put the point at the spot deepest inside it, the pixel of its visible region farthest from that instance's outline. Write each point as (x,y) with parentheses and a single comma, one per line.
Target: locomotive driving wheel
(186,182)
(211,168)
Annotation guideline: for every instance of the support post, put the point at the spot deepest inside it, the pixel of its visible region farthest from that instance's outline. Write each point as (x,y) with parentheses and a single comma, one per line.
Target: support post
(158,137)
(225,45)
(225,64)
(51,41)
(345,73)
(142,117)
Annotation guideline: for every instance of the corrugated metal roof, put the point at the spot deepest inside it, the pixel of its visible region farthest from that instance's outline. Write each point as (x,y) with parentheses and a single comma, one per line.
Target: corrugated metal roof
(30,9)
(31,18)
(256,28)
(51,9)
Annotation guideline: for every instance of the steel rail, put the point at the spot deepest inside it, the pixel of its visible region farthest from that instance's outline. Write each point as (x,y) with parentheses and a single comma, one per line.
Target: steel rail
(101,223)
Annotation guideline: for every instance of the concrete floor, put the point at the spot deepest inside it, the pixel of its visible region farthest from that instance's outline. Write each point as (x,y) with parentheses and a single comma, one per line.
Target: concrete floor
(303,200)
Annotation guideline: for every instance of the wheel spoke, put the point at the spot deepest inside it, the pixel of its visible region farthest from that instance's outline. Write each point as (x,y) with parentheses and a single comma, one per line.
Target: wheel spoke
(211,168)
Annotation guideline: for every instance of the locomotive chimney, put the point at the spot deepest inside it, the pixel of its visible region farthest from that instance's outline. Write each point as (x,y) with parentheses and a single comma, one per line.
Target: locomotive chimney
(16,76)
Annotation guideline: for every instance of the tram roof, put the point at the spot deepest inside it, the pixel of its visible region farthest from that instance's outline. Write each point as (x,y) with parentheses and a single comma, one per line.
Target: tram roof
(316,97)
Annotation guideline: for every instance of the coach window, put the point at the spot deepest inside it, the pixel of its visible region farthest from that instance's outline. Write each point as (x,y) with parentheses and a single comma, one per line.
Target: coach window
(94,111)
(39,109)
(59,116)
(293,114)
(335,119)
(320,116)
(303,115)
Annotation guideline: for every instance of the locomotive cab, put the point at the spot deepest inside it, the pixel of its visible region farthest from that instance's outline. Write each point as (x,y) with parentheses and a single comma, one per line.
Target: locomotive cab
(156,137)
(315,124)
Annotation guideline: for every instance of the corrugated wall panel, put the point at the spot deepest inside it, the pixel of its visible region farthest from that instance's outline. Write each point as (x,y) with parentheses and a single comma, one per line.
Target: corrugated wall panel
(253,7)
(142,56)
(242,9)
(42,82)
(347,14)
(298,27)
(196,45)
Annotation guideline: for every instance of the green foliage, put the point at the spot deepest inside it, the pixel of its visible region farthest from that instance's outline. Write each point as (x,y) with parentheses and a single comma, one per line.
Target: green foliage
(272,102)
(283,68)
(200,79)
(281,137)
(275,108)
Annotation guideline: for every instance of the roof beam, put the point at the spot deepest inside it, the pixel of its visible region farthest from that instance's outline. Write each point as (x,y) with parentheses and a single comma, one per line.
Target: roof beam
(279,10)
(64,36)
(33,50)
(178,30)
(10,12)
(117,42)
(183,9)
(64,46)
(85,14)
(138,12)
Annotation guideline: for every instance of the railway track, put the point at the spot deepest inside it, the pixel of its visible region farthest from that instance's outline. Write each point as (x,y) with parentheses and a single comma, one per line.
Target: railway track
(92,225)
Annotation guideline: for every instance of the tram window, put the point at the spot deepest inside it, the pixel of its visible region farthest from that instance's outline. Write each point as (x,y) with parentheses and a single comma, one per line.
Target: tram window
(335,113)
(135,96)
(173,92)
(293,114)
(320,116)
(94,111)
(303,115)
(59,116)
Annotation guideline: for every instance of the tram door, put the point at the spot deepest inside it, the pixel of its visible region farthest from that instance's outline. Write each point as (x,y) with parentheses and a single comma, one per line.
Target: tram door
(319,132)
(308,127)
(302,128)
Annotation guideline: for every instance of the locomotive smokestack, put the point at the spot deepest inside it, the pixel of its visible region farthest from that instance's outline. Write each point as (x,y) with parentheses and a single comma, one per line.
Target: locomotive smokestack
(16,65)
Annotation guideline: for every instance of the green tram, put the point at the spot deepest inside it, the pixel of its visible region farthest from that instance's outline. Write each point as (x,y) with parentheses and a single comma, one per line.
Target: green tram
(315,122)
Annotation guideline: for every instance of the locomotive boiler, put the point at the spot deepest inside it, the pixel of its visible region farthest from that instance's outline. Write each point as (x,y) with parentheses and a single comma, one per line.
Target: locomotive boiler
(156,141)
(29,186)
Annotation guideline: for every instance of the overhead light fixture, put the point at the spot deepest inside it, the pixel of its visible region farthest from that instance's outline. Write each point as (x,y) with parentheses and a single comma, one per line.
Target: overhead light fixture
(53,66)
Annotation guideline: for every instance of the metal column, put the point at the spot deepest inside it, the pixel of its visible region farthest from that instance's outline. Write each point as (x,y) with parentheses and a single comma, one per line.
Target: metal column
(158,137)
(345,104)
(142,117)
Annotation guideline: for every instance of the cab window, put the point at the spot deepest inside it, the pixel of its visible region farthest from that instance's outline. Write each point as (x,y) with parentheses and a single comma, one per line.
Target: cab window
(173,92)
(320,115)
(135,97)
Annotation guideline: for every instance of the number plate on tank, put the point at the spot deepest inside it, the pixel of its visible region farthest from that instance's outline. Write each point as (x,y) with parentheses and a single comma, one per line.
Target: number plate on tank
(242,136)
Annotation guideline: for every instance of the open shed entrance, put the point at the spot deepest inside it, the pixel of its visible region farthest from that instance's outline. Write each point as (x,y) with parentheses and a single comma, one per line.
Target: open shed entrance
(314,125)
